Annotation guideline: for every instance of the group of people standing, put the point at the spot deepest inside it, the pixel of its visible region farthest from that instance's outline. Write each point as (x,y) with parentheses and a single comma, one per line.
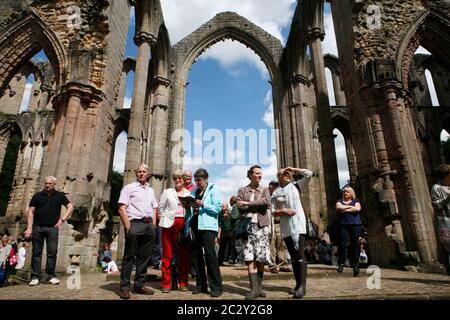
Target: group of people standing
(188,215)
(194,215)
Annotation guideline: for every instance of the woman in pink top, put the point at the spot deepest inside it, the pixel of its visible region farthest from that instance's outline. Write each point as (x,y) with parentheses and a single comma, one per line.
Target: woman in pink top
(171,221)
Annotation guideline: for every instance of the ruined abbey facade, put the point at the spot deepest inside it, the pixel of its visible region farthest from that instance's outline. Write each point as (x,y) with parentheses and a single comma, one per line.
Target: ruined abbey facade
(384,110)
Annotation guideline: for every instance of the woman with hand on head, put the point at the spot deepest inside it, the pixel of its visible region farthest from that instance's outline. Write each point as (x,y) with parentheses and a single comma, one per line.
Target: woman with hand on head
(287,205)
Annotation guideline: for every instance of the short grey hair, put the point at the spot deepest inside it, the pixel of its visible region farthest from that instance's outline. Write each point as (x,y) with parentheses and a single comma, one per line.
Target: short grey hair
(52,178)
(143,165)
(201,174)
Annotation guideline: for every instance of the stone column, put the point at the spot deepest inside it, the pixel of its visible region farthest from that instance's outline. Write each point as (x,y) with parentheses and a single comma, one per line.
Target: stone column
(351,159)
(136,127)
(326,136)
(121,95)
(77,155)
(416,197)
(339,94)
(44,97)
(158,138)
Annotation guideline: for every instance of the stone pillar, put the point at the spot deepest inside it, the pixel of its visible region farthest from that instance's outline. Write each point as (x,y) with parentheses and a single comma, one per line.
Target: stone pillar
(122,87)
(416,197)
(158,134)
(44,97)
(351,159)
(77,155)
(136,127)
(339,93)
(326,136)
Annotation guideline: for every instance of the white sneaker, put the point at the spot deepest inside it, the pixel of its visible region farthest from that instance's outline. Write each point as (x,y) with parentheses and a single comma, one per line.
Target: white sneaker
(54,281)
(34,282)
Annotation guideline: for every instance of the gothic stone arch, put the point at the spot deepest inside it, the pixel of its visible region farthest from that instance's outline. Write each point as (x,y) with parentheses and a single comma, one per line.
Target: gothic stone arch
(225,25)
(21,39)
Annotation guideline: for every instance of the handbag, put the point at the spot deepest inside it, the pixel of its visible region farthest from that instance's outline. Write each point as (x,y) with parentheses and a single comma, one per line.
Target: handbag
(311,229)
(363,258)
(241,231)
(2,274)
(186,237)
(443,223)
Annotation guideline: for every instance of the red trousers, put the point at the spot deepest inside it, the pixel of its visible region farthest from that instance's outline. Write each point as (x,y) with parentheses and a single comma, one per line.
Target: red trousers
(169,243)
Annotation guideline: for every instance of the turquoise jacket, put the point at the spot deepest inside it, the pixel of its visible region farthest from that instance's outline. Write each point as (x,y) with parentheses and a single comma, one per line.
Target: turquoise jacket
(208,216)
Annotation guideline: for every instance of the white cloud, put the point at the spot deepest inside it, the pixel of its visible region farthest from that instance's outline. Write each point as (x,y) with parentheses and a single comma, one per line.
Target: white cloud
(422,50)
(268,114)
(120,152)
(329,42)
(341,158)
(26,97)
(330,87)
(127,102)
(236,177)
(429,78)
(235,156)
(231,53)
(431,89)
(184,16)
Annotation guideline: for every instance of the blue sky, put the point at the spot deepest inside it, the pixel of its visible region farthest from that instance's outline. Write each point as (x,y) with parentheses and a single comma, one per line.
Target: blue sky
(228,85)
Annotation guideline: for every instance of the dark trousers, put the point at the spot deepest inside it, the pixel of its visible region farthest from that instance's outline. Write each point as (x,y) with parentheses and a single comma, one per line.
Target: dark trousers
(225,247)
(349,237)
(296,254)
(138,250)
(50,235)
(205,239)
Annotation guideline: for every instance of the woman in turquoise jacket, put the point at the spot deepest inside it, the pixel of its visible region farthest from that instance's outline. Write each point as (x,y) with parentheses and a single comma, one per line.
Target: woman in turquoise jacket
(204,221)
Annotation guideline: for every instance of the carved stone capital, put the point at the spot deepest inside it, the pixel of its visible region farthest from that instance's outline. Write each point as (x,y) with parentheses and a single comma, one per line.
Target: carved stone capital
(314,34)
(300,78)
(89,95)
(143,36)
(160,81)
(160,177)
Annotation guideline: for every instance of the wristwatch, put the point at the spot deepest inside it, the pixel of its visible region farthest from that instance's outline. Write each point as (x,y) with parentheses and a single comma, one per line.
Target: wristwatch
(63,220)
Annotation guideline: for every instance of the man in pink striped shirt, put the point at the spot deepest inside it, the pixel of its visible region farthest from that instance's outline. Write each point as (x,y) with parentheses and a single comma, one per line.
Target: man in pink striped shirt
(137,205)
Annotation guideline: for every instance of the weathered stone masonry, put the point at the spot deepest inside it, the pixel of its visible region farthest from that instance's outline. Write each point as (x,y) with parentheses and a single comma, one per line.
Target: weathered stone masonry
(383,109)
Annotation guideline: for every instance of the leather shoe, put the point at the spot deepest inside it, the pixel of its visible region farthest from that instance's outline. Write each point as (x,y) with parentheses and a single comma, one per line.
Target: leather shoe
(216,294)
(198,290)
(143,290)
(340,268)
(355,271)
(124,294)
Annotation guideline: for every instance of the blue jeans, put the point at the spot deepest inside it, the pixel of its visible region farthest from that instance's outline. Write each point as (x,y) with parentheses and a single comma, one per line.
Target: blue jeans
(50,235)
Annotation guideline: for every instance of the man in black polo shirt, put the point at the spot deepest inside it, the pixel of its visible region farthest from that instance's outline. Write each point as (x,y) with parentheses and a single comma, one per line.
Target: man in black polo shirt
(44,220)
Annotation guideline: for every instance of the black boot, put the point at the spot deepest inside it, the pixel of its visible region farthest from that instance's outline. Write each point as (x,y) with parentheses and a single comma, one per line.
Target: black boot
(355,271)
(262,293)
(295,268)
(253,277)
(300,277)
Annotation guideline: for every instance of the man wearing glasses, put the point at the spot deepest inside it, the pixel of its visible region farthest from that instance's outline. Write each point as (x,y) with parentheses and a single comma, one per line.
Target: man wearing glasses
(187,175)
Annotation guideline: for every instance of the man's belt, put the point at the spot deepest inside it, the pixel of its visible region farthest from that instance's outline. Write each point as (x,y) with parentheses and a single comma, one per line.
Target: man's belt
(144,220)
